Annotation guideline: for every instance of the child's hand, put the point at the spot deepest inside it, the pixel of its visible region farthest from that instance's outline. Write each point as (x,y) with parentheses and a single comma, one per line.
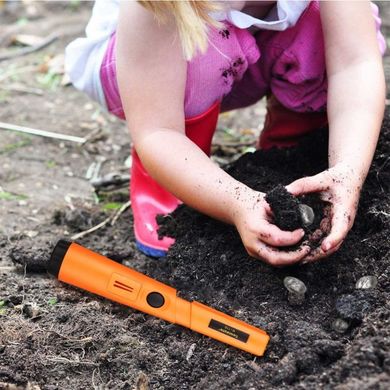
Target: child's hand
(261,238)
(340,186)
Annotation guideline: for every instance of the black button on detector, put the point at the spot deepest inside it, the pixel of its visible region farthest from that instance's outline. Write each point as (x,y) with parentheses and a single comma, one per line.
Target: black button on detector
(155,299)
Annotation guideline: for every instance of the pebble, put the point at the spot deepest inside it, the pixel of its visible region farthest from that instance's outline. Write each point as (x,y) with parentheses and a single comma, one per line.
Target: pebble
(191,351)
(339,325)
(31,233)
(307,214)
(294,285)
(30,310)
(366,282)
(296,290)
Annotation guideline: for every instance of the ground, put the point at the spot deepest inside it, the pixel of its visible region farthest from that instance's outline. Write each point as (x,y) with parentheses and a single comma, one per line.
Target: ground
(54,336)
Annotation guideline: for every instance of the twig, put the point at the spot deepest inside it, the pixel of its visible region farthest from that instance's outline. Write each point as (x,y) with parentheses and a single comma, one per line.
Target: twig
(17,88)
(124,207)
(379,171)
(91,230)
(112,219)
(42,133)
(12,268)
(60,359)
(110,181)
(27,50)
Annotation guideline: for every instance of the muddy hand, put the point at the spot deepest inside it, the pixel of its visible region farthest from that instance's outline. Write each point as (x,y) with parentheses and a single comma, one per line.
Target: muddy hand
(262,239)
(341,188)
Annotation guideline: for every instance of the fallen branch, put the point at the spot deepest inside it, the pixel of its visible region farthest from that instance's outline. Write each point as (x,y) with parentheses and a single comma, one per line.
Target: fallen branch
(31,49)
(42,133)
(22,89)
(110,181)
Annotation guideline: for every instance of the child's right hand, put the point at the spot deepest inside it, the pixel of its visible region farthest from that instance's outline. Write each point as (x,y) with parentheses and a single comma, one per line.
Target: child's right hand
(261,238)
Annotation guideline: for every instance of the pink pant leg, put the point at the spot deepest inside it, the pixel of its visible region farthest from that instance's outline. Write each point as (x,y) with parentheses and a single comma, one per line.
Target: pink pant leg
(291,67)
(109,80)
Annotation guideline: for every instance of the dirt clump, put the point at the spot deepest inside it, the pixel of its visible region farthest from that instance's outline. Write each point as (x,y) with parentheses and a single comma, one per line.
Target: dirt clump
(307,212)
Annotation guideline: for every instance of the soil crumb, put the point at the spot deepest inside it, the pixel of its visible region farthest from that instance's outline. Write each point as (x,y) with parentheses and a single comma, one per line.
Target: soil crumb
(287,210)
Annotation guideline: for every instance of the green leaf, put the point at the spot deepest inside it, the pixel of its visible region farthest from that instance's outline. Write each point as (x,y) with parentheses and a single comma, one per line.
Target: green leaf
(74,5)
(22,21)
(49,80)
(52,301)
(2,303)
(51,164)
(112,206)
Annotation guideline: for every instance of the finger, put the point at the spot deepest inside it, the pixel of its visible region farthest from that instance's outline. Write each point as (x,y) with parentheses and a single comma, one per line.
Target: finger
(319,254)
(267,208)
(341,223)
(277,258)
(308,184)
(274,236)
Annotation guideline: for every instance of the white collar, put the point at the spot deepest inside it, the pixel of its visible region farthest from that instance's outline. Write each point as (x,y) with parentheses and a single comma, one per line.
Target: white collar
(283,15)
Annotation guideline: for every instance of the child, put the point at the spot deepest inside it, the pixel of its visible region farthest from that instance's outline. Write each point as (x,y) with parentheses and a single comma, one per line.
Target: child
(169,67)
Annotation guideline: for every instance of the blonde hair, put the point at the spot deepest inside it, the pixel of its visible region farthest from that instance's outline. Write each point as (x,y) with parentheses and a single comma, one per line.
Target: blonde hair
(192,20)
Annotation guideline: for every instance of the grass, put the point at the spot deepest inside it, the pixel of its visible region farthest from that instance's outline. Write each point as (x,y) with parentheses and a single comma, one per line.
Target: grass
(4,95)
(4,195)
(49,80)
(51,164)
(15,145)
(111,206)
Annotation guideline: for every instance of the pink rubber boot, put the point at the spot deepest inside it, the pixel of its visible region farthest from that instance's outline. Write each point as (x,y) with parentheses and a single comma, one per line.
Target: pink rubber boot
(284,128)
(149,199)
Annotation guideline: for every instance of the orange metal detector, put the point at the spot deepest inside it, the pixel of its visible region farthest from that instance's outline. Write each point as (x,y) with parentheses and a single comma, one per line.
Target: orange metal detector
(71,263)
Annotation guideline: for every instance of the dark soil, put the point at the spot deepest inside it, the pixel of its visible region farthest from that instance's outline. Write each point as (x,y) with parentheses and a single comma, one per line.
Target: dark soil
(73,338)
(285,208)
(53,336)
(288,216)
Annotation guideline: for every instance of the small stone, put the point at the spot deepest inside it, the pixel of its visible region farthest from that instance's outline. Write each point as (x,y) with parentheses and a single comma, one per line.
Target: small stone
(190,352)
(296,290)
(294,285)
(31,233)
(30,310)
(339,325)
(366,282)
(307,214)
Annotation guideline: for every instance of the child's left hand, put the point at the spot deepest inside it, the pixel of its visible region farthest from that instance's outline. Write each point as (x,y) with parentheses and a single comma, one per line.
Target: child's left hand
(340,186)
